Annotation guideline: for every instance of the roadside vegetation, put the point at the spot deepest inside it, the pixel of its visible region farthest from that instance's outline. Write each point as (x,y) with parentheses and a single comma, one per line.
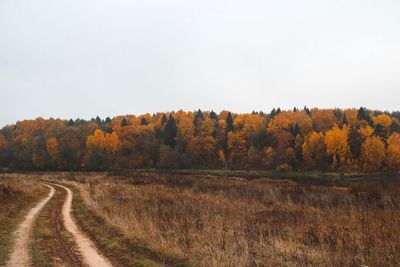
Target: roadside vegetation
(18,194)
(120,249)
(222,221)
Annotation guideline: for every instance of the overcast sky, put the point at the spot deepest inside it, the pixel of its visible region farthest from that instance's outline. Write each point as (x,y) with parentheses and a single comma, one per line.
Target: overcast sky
(82,58)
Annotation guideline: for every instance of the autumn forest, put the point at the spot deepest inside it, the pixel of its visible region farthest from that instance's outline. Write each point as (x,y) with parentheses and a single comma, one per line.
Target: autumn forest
(359,140)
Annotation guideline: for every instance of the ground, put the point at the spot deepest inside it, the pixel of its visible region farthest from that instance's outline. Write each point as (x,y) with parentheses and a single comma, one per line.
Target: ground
(184,218)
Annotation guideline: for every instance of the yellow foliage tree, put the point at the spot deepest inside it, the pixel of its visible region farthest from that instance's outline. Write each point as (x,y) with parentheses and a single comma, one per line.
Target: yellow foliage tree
(337,145)
(111,142)
(185,128)
(284,120)
(249,123)
(383,119)
(372,154)
(106,141)
(366,131)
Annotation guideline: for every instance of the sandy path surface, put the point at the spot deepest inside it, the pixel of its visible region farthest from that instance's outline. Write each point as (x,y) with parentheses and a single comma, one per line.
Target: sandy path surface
(86,247)
(20,255)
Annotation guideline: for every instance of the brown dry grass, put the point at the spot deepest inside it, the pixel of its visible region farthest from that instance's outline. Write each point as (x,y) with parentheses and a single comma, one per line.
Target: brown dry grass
(18,193)
(233,222)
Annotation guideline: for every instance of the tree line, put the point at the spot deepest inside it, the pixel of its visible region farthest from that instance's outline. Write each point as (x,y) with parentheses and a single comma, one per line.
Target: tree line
(359,140)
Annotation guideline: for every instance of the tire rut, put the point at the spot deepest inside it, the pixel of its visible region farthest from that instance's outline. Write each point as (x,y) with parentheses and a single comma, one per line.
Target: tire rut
(64,249)
(87,249)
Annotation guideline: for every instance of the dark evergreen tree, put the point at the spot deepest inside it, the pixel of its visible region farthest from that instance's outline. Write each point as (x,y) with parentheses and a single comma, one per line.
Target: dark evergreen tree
(377,112)
(198,115)
(278,111)
(98,120)
(395,127)
(229,123)
(355,140)
(164,119)
(170,132)
(143,121)
(344,120)
(338,114)
(363,114)
(380,131)
(71,122)
(273,113)
(79,122)
(294,129)
(124,122)
(108,120)
(96,160)
(307,111)
(213,115)
(396,114)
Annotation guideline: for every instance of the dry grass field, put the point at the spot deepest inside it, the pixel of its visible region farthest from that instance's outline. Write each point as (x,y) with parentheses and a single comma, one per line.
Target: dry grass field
(17,194)
(221,221)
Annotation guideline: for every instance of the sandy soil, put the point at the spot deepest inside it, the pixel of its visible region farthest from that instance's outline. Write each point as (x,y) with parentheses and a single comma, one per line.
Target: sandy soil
(86,247)
(20,255)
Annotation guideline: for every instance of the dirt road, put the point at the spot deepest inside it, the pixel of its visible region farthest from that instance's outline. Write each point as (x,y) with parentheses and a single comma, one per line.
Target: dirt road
(52,245)
(86,247)
(20,255)
(81,252)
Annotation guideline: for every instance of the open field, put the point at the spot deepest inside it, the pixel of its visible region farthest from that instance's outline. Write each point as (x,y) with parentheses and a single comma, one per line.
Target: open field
(170,219)
(215,221)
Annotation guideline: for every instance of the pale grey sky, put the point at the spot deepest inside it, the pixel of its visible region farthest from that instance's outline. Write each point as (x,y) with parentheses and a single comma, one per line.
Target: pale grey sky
(82,58)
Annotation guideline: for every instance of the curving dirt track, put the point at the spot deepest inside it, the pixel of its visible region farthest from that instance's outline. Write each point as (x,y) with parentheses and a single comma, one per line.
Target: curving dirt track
(63,250)
(81,252)
(20,255)
(86,247)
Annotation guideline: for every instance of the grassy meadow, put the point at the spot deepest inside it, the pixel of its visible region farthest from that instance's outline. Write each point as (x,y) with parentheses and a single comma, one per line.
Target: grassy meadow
(222,221)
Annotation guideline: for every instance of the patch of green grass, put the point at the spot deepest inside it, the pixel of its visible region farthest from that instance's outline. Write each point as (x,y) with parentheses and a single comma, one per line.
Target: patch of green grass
(127,251)
(304,177)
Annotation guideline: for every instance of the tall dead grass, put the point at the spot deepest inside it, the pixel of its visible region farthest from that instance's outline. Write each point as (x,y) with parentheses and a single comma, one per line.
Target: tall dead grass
(233,222)
(14,189)
(17,194)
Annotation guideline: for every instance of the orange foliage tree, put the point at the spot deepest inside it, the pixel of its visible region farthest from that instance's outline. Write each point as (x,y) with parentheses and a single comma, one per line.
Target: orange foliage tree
(52,147)
(372,154)
(237,150)
(203,151)
(314,151)
(393,152)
